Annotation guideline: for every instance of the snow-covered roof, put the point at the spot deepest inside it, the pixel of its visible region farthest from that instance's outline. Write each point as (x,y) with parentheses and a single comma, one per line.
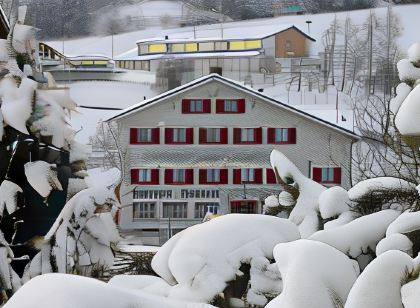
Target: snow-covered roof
(225,31)
(203,80)
(133,56)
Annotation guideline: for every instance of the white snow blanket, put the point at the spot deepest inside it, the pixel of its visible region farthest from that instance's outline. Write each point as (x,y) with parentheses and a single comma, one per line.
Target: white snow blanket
(408,116)
(71,291)
(333,202)
(368,186)
(304,214)
(8,196)
(356,237)
(203,258)
(314,275)
(43,177)
(379,285)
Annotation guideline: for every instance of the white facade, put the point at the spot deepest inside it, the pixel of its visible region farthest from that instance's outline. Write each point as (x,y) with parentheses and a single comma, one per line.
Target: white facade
(317,145)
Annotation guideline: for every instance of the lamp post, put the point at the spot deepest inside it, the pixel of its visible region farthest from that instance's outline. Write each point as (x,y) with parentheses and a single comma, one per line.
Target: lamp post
(309,22)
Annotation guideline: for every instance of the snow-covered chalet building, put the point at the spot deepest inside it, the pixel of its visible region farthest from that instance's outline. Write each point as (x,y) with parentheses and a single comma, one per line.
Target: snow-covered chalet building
(205,146)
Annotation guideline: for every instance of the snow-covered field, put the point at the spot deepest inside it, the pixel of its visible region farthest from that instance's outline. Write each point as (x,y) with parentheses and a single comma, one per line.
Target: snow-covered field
(111,94)
(408,16)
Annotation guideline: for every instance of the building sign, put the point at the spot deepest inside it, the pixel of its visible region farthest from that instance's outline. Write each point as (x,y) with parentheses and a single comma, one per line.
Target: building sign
(152,194)
(199,194)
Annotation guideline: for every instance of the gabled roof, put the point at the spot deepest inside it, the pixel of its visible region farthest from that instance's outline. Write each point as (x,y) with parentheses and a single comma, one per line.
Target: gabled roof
(206,79)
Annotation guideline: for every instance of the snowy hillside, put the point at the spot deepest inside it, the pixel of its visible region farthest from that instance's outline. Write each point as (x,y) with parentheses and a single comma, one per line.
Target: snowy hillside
(320,22)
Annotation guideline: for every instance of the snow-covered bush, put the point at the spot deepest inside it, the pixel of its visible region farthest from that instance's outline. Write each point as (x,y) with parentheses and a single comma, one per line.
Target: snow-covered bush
(80,240)
(201,260)
(314,275)
(71,291)
(359,236)
(373,195)
(305,211)
(379,285)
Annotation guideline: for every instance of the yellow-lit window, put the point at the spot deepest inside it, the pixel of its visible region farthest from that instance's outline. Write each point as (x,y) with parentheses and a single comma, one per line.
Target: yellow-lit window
(177,47)
(237,45)
(255,44)
(191,47)
(101,62)
(86,62)
(157,48)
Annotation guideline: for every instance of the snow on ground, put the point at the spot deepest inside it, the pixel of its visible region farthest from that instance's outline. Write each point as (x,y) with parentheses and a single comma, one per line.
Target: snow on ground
(70,291)
(304,214)
(320,22)
(357,236)
(113,94)
(313,273)
(204,257)
(379,284)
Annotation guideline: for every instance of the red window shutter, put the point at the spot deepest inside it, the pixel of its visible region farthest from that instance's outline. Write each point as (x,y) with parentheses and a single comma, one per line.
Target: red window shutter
(169,133)
(155,176)
(224,135)
(156,135)
(291,135)
(271,135)
(189,135)
(189,176)
(224,176)
(317,174)
(133,135)
(203,176)
(236,135)
(258,135)
(202,135)
(185,106)
(241,105)
(271,177)
(169,176)
(258,176)
(237,178)
(134,176)
(337,175)
(206,106)
(220,105)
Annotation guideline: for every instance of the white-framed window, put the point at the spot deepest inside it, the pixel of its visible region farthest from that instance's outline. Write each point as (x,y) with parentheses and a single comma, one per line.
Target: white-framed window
(327,174)
(179,135)
(145,175)
(231,105)
(213,135)
(281,135)
(213,175)
(202,208)
(178,175)
(247,135)
(144,135)
(142,210)
(174,210)
(247,175)
(206,46)
(196,105)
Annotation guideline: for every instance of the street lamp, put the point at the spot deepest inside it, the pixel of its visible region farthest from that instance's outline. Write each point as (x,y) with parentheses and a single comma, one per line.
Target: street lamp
(309,22)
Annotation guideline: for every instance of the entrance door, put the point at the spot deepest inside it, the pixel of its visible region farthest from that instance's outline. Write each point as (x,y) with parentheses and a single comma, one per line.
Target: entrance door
(243,206)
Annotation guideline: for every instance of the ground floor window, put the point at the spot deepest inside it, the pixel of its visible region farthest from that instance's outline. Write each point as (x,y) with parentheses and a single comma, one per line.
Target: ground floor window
(202,208)
(174,210)
(143,210)
(243,207)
